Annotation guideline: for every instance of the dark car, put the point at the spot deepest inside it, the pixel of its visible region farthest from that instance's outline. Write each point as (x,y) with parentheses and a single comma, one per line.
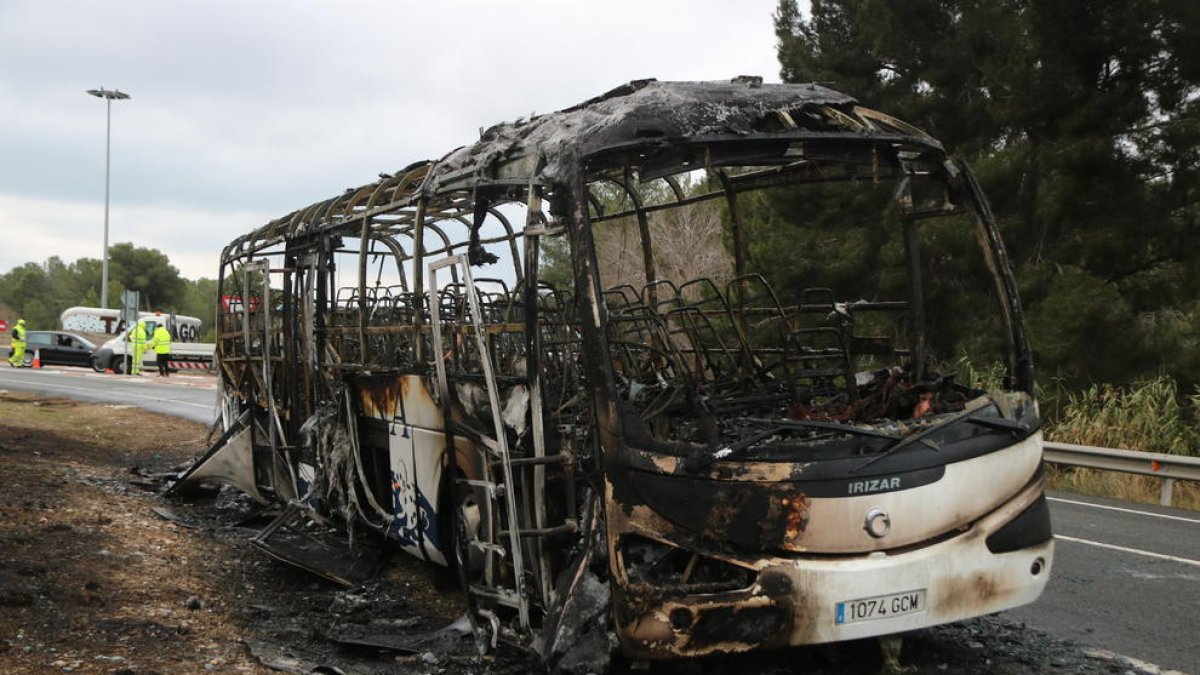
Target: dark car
(57,348)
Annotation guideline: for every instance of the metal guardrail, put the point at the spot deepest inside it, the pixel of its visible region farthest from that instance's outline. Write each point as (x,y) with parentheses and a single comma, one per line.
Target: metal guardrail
(1168,467)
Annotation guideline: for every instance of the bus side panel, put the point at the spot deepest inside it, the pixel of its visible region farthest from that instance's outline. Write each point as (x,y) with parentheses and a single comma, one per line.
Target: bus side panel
(418,446)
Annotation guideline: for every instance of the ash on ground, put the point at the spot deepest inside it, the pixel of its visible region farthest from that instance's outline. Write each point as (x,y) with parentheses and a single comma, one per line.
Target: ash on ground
(101,574)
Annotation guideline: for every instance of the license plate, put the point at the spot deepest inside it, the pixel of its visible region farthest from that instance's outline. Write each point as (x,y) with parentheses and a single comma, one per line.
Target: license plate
(880,607)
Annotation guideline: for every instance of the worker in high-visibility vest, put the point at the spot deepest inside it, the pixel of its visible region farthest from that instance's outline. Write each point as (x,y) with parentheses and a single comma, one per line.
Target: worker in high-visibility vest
(162,347)
(16,356)
(137,340)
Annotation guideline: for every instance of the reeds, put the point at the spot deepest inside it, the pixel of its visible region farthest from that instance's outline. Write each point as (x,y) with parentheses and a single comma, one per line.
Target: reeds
(1149,416)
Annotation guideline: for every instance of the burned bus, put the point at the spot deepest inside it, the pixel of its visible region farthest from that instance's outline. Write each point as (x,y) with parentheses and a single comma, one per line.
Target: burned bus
(694,462)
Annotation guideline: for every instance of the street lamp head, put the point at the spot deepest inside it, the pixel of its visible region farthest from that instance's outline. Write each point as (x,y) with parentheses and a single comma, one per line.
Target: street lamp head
(109,94)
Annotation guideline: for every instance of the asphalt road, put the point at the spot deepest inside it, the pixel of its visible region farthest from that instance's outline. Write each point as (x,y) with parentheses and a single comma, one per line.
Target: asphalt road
(191,397)
(1126,577)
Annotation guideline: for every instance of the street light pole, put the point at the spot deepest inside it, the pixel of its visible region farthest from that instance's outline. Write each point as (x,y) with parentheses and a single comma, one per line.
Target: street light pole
(108,95)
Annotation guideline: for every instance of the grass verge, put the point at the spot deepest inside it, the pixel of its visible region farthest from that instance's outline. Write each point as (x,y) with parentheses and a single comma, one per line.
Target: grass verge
(1148,416)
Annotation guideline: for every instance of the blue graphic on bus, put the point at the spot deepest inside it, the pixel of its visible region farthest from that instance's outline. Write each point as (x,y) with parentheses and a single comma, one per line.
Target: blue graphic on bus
(414,517)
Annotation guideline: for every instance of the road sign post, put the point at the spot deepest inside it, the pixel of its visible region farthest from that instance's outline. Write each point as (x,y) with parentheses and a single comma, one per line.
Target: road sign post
(130,301)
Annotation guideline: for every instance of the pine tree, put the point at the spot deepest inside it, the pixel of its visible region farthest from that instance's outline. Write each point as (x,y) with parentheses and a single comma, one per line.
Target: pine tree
(1081,119)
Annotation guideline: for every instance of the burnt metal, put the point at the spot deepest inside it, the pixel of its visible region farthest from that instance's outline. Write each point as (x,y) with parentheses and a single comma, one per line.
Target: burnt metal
(398,368)
(455,638)
(294,540)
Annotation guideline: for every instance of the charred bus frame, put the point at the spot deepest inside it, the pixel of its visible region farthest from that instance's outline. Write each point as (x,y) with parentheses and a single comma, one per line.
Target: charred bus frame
(700,466)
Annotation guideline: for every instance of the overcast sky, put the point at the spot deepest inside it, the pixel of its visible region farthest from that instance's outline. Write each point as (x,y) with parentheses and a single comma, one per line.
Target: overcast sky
(244,110)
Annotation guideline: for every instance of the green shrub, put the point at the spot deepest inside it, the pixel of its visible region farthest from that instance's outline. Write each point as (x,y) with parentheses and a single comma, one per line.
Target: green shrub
(1148,416)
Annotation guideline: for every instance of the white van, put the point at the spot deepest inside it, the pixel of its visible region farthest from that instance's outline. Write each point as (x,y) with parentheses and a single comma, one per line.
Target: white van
(99,320)
(117,354)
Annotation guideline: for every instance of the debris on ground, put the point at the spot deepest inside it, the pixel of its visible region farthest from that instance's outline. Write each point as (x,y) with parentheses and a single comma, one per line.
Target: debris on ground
(100,574)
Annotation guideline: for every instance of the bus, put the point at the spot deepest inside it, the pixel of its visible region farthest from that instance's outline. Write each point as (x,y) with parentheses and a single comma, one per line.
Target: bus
(508,361)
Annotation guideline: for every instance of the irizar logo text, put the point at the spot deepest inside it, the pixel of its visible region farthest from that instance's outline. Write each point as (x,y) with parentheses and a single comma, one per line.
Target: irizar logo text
(871,485)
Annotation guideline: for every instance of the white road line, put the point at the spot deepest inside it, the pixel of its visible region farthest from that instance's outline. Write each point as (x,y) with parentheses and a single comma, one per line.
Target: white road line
(1123,510)
(160,397)
(1135,551)
(1138,664)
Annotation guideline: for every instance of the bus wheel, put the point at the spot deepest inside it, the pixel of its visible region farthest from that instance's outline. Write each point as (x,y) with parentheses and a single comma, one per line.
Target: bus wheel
(468,517)
(462,522)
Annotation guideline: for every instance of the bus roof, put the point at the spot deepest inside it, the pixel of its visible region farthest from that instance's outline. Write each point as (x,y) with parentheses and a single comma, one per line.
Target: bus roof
(640,115)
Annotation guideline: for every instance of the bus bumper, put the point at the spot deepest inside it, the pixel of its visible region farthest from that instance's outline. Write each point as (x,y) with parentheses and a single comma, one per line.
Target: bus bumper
(809,600)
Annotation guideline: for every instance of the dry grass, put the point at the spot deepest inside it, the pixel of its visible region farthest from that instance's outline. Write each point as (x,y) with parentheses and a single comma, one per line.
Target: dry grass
(91,580)
(1141,489)
(1148,416)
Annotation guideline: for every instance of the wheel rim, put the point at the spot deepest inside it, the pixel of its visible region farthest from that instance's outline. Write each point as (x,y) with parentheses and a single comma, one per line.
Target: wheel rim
(469,517)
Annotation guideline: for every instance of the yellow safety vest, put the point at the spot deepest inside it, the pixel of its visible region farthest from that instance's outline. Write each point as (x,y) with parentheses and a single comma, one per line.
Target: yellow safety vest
(162,340)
